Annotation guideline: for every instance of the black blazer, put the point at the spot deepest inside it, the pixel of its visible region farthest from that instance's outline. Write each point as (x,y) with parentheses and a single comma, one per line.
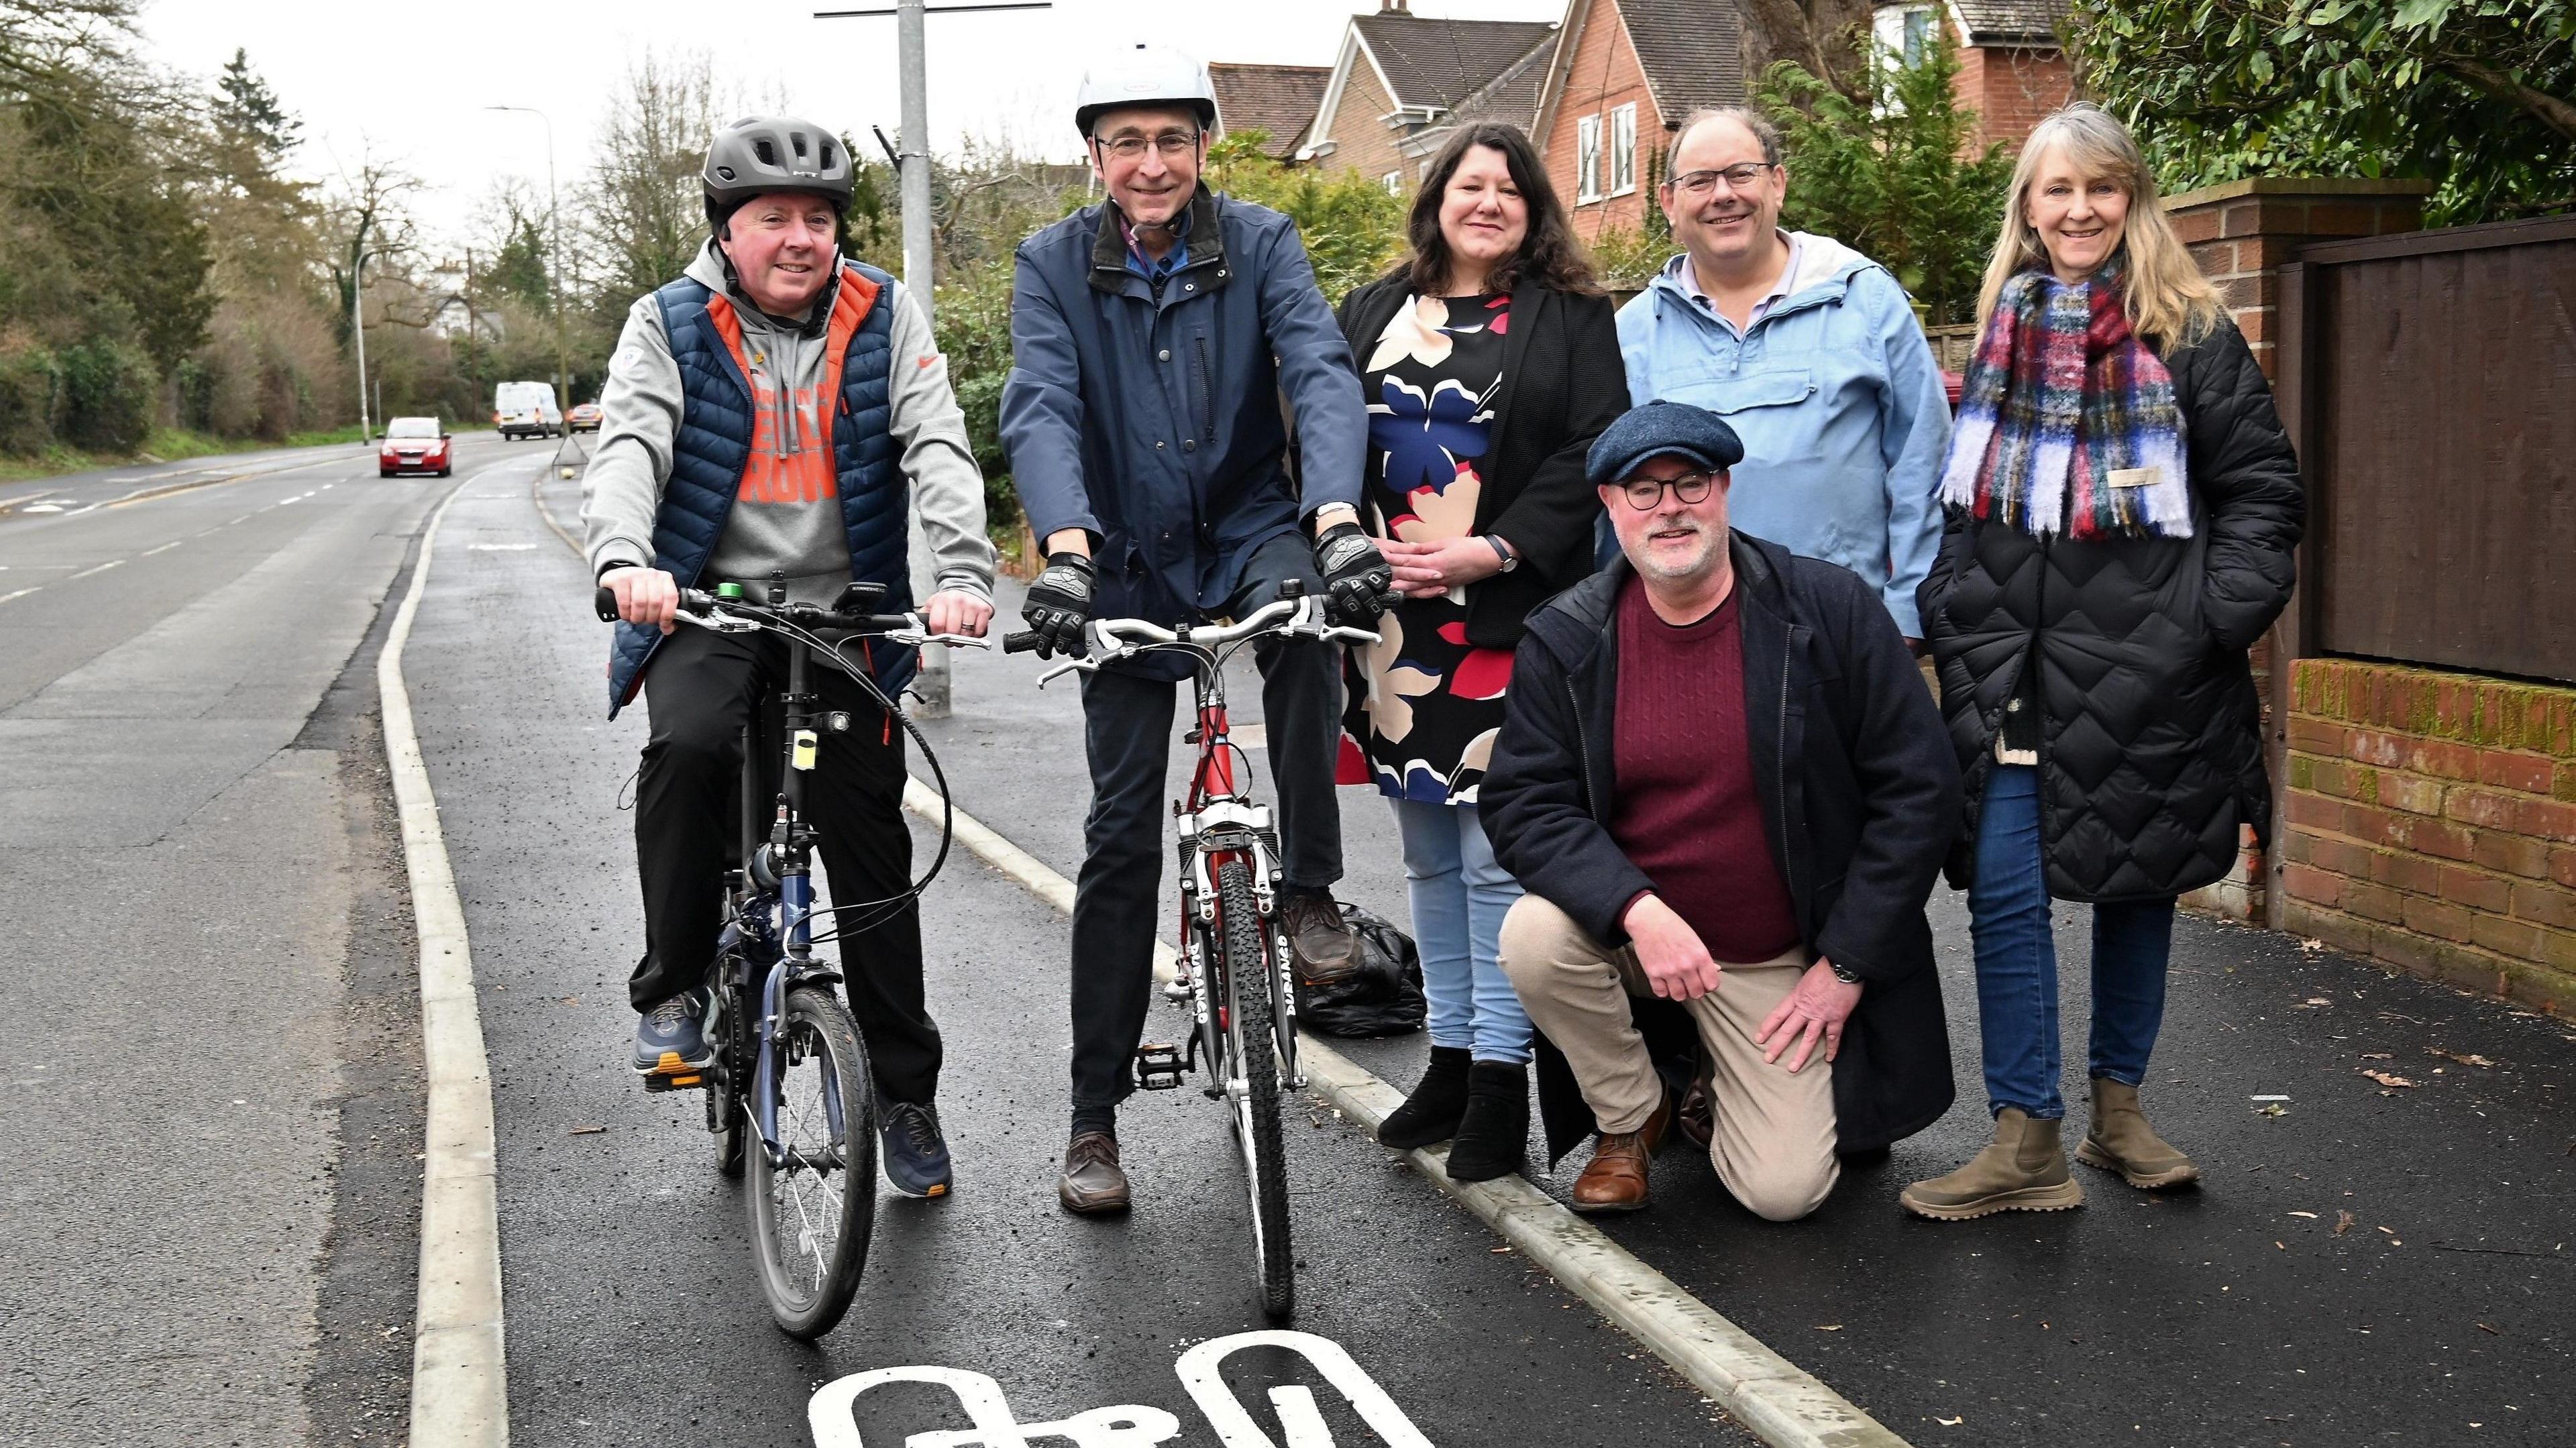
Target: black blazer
(1563,383)
(1860,799)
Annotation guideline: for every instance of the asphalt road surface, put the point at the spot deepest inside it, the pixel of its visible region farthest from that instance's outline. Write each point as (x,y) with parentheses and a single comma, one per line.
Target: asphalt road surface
(211,981)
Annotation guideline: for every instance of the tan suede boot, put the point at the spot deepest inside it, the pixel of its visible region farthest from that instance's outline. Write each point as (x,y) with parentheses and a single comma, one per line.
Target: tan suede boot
(2120,1140)
(2022,1170)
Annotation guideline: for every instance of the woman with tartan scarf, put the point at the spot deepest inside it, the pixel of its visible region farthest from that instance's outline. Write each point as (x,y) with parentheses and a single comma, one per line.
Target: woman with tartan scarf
(2122,509)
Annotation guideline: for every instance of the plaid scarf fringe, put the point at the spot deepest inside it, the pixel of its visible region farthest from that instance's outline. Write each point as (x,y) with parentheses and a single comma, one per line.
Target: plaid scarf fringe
(2060,396)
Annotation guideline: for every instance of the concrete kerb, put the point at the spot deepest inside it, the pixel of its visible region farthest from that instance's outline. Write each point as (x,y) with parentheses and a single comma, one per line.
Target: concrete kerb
(460,1389)
(1780,1402)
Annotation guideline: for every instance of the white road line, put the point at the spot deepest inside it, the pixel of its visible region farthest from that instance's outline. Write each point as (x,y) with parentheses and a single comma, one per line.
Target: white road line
(460,1395)
(164,548)
(102,568)
(21,593)
(1767,1393)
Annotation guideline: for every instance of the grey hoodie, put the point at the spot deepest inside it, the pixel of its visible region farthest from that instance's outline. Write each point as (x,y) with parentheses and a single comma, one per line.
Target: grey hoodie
(802,537)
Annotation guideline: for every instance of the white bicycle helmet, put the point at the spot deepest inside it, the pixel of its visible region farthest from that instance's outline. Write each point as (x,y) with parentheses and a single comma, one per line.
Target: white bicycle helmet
(1147,75)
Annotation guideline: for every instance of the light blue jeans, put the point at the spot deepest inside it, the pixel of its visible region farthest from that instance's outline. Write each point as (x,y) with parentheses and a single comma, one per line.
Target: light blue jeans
(1460,897)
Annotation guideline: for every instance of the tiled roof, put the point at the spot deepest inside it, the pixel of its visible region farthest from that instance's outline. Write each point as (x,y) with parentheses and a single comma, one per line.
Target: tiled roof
(1441,62)
(1691,50)
(2006,22)
(1513,95)
(1279,99)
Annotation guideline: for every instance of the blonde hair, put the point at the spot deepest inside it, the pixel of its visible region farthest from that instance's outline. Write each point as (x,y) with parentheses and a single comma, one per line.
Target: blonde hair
(2170,304)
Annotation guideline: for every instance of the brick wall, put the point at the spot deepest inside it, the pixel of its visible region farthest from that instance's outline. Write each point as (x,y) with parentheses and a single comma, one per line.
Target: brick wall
(2242,232)
(2010,90)
(1604,76)
(2432,825)
(1361,140)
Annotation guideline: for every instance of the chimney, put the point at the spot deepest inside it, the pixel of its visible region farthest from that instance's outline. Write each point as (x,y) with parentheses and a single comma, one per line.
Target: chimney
(1393,7)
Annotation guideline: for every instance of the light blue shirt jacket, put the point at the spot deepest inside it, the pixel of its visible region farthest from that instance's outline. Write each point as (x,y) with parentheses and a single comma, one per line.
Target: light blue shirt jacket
(1838,401)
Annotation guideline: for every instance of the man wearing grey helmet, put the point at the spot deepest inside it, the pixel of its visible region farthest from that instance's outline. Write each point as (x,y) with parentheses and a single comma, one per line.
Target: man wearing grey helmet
(1154,340)
(767,414)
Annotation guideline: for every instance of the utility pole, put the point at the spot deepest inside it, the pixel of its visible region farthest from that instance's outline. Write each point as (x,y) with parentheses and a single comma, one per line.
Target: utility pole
(358,325)
(912,165)
(554,287)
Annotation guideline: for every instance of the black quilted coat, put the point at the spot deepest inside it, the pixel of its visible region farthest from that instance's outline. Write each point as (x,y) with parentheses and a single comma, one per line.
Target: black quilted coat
(2150,752)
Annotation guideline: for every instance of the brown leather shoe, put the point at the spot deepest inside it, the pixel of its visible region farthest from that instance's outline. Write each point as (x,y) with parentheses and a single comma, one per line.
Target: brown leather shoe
(1615,1180)
(1326,947)
(1093,1185)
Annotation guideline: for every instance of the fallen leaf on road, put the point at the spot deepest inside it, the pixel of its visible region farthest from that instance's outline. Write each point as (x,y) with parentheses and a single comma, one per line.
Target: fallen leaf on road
(2282,1245)
(2387,1078)
(2374,1055)
(2468,1060)
(588,1130)
(1949,1422)
(569,1001)
(2311,1216)
(1829,1327)
(2482,1327)
(2343,1223)
(2273,1108)
(1500,1251)
(2312,1002)
(2312,945)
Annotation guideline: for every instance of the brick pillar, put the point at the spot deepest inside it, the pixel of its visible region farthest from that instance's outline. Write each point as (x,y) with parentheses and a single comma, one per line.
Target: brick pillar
(2242,233)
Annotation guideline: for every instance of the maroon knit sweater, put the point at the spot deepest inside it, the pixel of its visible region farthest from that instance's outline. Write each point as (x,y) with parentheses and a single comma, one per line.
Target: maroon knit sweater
(1688,813)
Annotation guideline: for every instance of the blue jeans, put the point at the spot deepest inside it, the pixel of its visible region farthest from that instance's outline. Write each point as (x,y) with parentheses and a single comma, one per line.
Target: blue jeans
(1460,897)
(2008,916)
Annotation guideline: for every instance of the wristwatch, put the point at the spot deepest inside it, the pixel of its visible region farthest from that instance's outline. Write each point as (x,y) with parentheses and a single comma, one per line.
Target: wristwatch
(1840,974)
(1503,551)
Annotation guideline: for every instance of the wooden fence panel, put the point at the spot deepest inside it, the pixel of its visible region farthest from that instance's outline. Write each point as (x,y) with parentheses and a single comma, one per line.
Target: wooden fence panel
(2440,402)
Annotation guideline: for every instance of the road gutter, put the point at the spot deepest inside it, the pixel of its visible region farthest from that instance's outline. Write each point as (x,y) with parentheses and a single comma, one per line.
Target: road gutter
(1779,1401)
(460,1387)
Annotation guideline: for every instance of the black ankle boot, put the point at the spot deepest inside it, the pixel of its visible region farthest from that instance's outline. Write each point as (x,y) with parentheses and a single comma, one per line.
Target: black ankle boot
(1495,1130)
(1431,1113)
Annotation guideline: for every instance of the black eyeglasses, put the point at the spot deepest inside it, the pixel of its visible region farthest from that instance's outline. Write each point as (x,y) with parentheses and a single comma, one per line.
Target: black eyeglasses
(1646,493)
(1702,183)
(1171,145)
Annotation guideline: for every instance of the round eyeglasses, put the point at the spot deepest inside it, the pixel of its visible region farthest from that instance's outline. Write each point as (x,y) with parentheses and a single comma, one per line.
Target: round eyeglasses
(1646,493)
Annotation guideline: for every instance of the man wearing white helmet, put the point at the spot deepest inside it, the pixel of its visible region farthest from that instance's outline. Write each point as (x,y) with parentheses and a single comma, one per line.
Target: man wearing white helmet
(1154,338)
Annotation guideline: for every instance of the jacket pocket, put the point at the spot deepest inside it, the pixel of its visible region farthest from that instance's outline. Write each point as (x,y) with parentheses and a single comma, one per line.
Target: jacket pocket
(1785,387)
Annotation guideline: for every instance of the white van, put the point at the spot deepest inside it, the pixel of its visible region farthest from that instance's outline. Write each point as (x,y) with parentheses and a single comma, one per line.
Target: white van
(526,409)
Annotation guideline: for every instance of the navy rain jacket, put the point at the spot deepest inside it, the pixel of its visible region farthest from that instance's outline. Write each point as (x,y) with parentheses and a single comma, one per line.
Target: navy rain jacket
(1157,425)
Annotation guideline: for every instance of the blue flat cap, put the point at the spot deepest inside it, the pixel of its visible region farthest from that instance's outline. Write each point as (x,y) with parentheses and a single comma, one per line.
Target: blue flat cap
(1659,429)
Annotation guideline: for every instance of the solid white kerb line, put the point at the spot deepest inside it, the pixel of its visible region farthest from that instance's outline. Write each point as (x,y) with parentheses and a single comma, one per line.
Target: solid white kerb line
(1786,1406)
(459,1385)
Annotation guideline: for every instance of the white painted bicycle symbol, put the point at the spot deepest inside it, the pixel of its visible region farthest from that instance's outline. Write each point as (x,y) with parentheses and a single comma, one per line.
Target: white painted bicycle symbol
(1136,1425)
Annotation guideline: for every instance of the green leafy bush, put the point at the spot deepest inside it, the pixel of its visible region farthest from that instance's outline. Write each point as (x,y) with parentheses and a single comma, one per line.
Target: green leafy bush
(31,397)
(108,394)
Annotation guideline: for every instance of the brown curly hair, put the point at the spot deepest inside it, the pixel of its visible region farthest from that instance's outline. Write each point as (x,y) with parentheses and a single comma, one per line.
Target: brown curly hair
(1549,254)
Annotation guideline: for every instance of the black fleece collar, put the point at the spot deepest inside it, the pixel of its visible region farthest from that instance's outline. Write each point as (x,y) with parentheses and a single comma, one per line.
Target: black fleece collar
(1109,243)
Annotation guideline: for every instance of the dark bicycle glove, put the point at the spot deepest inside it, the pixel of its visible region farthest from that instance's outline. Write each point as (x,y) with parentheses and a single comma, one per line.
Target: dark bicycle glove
(1358,581)
(1059,605)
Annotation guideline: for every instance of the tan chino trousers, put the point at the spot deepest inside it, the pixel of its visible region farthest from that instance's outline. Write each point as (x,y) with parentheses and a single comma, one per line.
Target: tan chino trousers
(1774,1144)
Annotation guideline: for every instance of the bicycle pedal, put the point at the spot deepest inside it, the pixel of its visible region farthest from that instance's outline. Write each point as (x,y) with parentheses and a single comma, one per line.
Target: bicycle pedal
(1159,1068)
(673,1074)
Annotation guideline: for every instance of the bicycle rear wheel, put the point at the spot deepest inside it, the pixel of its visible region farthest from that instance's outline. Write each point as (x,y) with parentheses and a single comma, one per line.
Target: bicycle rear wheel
(1250,1028)
(811,1216)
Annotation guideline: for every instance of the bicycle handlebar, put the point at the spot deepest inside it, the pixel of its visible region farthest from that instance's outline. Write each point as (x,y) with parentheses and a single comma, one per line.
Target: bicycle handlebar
(706,609)
(1118,638)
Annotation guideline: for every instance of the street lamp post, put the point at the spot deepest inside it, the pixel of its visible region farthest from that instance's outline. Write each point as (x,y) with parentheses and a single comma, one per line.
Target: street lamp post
(554,287)
(358,327)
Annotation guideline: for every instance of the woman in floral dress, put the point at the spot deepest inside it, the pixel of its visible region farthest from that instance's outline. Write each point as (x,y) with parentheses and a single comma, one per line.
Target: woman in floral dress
(1490,360)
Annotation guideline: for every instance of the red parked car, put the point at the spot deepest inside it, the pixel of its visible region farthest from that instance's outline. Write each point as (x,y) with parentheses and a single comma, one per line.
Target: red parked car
(418,445)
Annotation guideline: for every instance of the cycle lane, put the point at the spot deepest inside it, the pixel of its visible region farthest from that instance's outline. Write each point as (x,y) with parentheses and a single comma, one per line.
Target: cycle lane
(631,1313)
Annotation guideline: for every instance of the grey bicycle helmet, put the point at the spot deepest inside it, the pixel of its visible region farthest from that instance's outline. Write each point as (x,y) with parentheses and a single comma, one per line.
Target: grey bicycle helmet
(761,154)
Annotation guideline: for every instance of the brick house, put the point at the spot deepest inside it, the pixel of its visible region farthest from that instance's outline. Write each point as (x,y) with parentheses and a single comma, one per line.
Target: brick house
(1401,81)
(1280,100)
(2012,70)
(1625,74)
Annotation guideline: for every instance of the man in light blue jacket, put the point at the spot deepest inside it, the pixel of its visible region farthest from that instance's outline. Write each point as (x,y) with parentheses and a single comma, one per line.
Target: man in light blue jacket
(1809,350)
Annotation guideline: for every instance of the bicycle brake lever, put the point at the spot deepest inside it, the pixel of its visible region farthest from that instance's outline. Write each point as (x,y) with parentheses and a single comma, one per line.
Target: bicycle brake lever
(1341,634)
(1069,666)
(920,634)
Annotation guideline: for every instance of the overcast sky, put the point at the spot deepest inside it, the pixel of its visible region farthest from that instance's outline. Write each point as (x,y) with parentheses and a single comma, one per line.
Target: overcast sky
(410,80)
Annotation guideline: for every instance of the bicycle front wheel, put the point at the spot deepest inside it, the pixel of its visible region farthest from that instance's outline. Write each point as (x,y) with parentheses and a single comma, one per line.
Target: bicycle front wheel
(1250,1028)
(812,1211)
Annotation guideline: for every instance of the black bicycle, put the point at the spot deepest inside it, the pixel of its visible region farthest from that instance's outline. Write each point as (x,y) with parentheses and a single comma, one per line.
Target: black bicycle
(1237,972)
(791,1071)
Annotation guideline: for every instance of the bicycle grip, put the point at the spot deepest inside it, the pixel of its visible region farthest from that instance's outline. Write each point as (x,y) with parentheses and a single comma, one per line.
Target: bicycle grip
(605,600)
(1025,641)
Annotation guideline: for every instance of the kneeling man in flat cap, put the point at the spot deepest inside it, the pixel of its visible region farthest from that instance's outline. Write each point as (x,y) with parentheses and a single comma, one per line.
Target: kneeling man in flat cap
(1727,793)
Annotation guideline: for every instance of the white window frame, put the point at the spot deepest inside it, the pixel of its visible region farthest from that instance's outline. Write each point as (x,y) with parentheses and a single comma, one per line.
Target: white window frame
(1587,158)
(1393,181)
(1904,34)
(1623,149)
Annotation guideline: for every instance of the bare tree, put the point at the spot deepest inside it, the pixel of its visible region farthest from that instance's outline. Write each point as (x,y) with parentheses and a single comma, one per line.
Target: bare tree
(641,212)
(1824,37)
(367,218)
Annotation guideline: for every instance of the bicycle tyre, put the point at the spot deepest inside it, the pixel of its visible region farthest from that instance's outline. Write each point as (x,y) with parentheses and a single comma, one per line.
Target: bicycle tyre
(729,1087)
(808,1294)
(1248,971)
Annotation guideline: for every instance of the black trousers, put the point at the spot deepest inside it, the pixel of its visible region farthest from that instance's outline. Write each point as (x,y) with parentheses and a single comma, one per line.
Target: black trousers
(1127,731)
(701,689)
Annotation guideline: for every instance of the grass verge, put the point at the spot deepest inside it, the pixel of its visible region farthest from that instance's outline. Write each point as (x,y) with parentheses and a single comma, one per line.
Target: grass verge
(166,445)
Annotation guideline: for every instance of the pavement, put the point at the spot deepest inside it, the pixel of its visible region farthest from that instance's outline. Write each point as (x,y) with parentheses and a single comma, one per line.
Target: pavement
(186,721)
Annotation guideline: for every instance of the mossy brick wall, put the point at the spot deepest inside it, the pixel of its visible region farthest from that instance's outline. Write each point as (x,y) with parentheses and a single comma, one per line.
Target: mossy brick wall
(2432,825)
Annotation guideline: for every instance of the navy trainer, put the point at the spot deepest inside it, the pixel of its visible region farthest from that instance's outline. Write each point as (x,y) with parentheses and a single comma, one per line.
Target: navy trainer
(914,1154)
(667,1039)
